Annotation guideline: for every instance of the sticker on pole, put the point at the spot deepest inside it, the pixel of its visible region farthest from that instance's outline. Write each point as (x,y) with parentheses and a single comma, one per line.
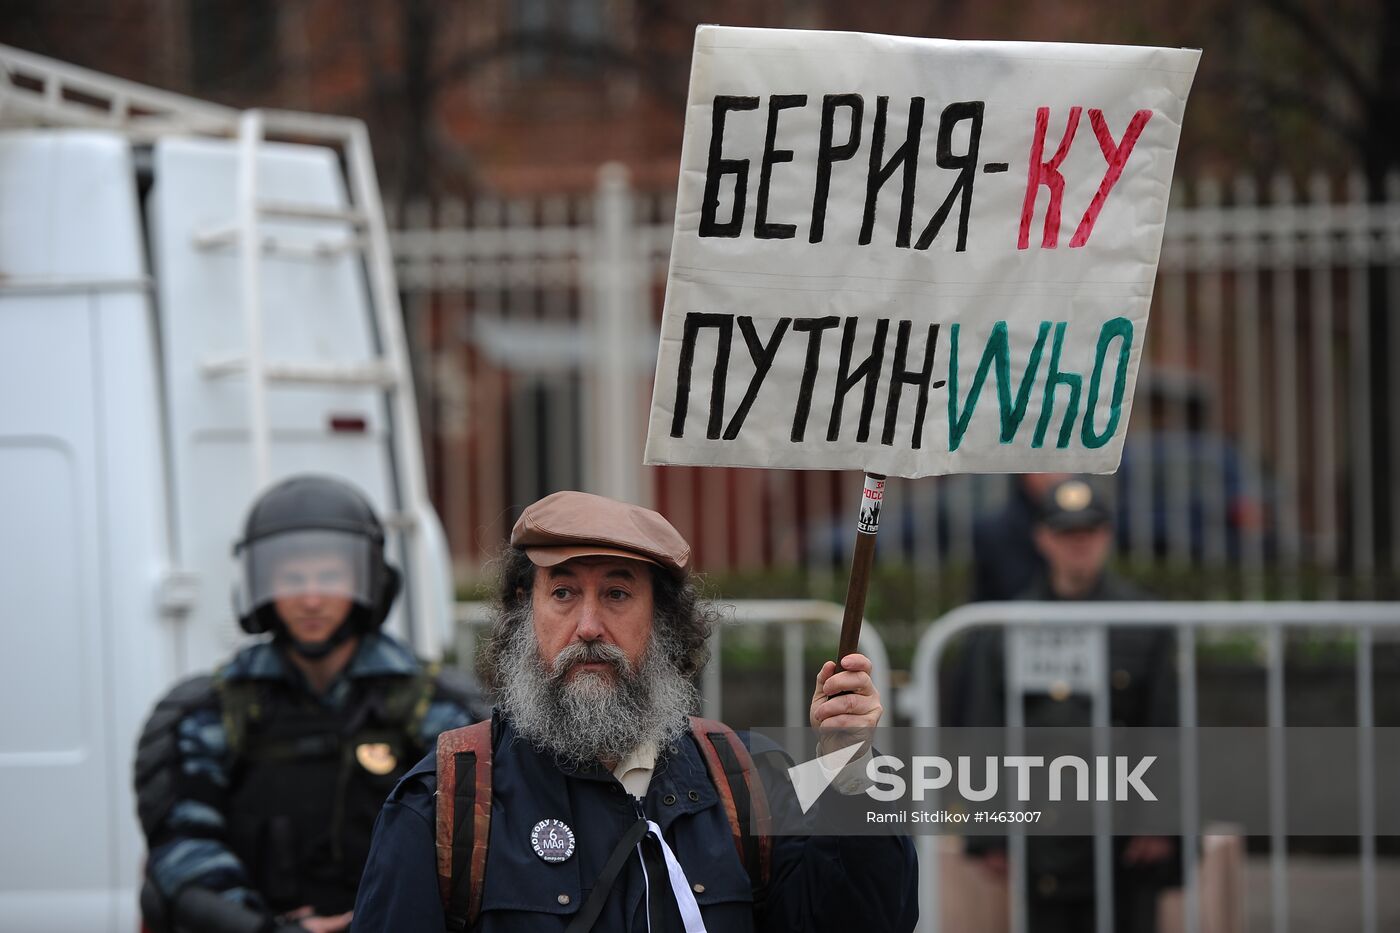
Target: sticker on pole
(871,501)
(913,256)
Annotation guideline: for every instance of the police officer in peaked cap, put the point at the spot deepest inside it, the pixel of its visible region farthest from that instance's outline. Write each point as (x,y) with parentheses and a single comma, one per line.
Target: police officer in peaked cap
(1073,532)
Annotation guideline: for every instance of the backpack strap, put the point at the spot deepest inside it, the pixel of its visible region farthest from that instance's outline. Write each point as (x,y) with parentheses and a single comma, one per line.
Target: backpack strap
(463,821)
(741,792)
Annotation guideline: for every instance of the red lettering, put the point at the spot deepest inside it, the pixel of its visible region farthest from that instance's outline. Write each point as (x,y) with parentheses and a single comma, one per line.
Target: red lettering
(1047,174)
(1116,155)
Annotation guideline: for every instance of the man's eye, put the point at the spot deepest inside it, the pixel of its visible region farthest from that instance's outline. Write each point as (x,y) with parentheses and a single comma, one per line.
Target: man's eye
(617,594)
(561,592)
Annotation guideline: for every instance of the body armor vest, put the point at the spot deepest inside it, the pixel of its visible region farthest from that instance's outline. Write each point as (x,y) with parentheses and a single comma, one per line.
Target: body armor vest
(308,781)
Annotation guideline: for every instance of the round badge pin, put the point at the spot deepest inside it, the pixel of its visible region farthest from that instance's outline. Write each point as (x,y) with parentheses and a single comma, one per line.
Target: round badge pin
(552,840)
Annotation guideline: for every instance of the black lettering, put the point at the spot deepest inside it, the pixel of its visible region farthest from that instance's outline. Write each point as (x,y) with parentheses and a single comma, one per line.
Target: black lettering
(762,355)
(900,376)
(827,154)
(846,378)
(966,164)
(719,167)
(761,227)
(906,155)
(693,322)
(814,327)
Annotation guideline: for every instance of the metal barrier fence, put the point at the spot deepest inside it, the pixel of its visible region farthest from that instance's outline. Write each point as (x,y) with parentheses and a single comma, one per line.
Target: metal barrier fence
(1262,413)
(796,618)
(921,701)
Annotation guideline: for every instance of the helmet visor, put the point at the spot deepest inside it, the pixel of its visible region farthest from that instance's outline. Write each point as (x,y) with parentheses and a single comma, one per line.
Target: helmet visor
(306,564)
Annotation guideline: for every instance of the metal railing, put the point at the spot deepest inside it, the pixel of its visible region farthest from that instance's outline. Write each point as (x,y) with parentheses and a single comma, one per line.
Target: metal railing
(921,698)
(795,617)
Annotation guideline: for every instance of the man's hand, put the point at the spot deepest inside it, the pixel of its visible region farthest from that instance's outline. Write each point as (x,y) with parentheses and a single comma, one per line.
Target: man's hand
(845,705)
(307,920)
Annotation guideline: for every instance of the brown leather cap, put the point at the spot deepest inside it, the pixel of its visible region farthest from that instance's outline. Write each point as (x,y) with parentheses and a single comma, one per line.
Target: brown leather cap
(577,524)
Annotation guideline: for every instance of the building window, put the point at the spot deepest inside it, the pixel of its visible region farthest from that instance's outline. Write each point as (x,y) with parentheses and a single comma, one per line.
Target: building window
(562,36)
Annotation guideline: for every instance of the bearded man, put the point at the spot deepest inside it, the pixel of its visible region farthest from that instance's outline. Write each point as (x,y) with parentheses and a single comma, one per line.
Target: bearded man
(594,801)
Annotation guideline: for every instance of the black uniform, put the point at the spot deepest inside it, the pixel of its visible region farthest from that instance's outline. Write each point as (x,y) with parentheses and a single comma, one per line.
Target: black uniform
(253,787)
(1142,693)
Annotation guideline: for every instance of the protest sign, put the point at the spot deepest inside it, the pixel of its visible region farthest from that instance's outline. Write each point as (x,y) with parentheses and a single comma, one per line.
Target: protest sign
(913,256)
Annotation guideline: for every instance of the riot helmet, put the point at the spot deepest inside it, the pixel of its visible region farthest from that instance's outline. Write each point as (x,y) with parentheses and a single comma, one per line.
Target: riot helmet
(318,536)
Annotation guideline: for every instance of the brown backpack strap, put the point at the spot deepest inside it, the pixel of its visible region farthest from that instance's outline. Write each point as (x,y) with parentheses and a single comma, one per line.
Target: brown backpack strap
(741,792)
(463,821)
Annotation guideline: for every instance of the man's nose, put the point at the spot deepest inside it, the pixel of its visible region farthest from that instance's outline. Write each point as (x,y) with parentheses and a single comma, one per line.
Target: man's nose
(590,620)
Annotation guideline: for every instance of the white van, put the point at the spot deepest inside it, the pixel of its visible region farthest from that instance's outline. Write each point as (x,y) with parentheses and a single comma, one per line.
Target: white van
(188,312)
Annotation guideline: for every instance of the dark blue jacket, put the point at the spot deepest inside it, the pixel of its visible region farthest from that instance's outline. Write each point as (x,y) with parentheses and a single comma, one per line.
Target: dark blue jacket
(844,884)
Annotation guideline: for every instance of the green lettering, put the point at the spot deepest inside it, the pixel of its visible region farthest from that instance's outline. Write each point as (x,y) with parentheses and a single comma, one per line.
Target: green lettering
(998,353)
(1053,379)
(1122,328)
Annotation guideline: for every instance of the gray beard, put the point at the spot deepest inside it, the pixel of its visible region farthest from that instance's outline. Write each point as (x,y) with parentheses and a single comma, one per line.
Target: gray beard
(590,718)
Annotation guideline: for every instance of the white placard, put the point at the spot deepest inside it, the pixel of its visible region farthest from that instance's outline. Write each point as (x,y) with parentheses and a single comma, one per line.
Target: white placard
(1056,661)
(857,213)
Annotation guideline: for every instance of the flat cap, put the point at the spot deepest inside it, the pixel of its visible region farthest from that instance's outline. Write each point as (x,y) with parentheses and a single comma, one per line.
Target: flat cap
(1074,504)
(578,524)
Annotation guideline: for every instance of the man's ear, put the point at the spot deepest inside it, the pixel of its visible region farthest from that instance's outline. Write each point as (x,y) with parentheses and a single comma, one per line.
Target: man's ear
(1041,536)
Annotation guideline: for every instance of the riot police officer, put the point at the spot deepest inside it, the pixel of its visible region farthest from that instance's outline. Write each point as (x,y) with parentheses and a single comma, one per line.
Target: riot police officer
(257,786)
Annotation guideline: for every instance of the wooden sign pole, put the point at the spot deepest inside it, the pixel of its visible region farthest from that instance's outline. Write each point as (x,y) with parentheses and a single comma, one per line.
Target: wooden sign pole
(871,502)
